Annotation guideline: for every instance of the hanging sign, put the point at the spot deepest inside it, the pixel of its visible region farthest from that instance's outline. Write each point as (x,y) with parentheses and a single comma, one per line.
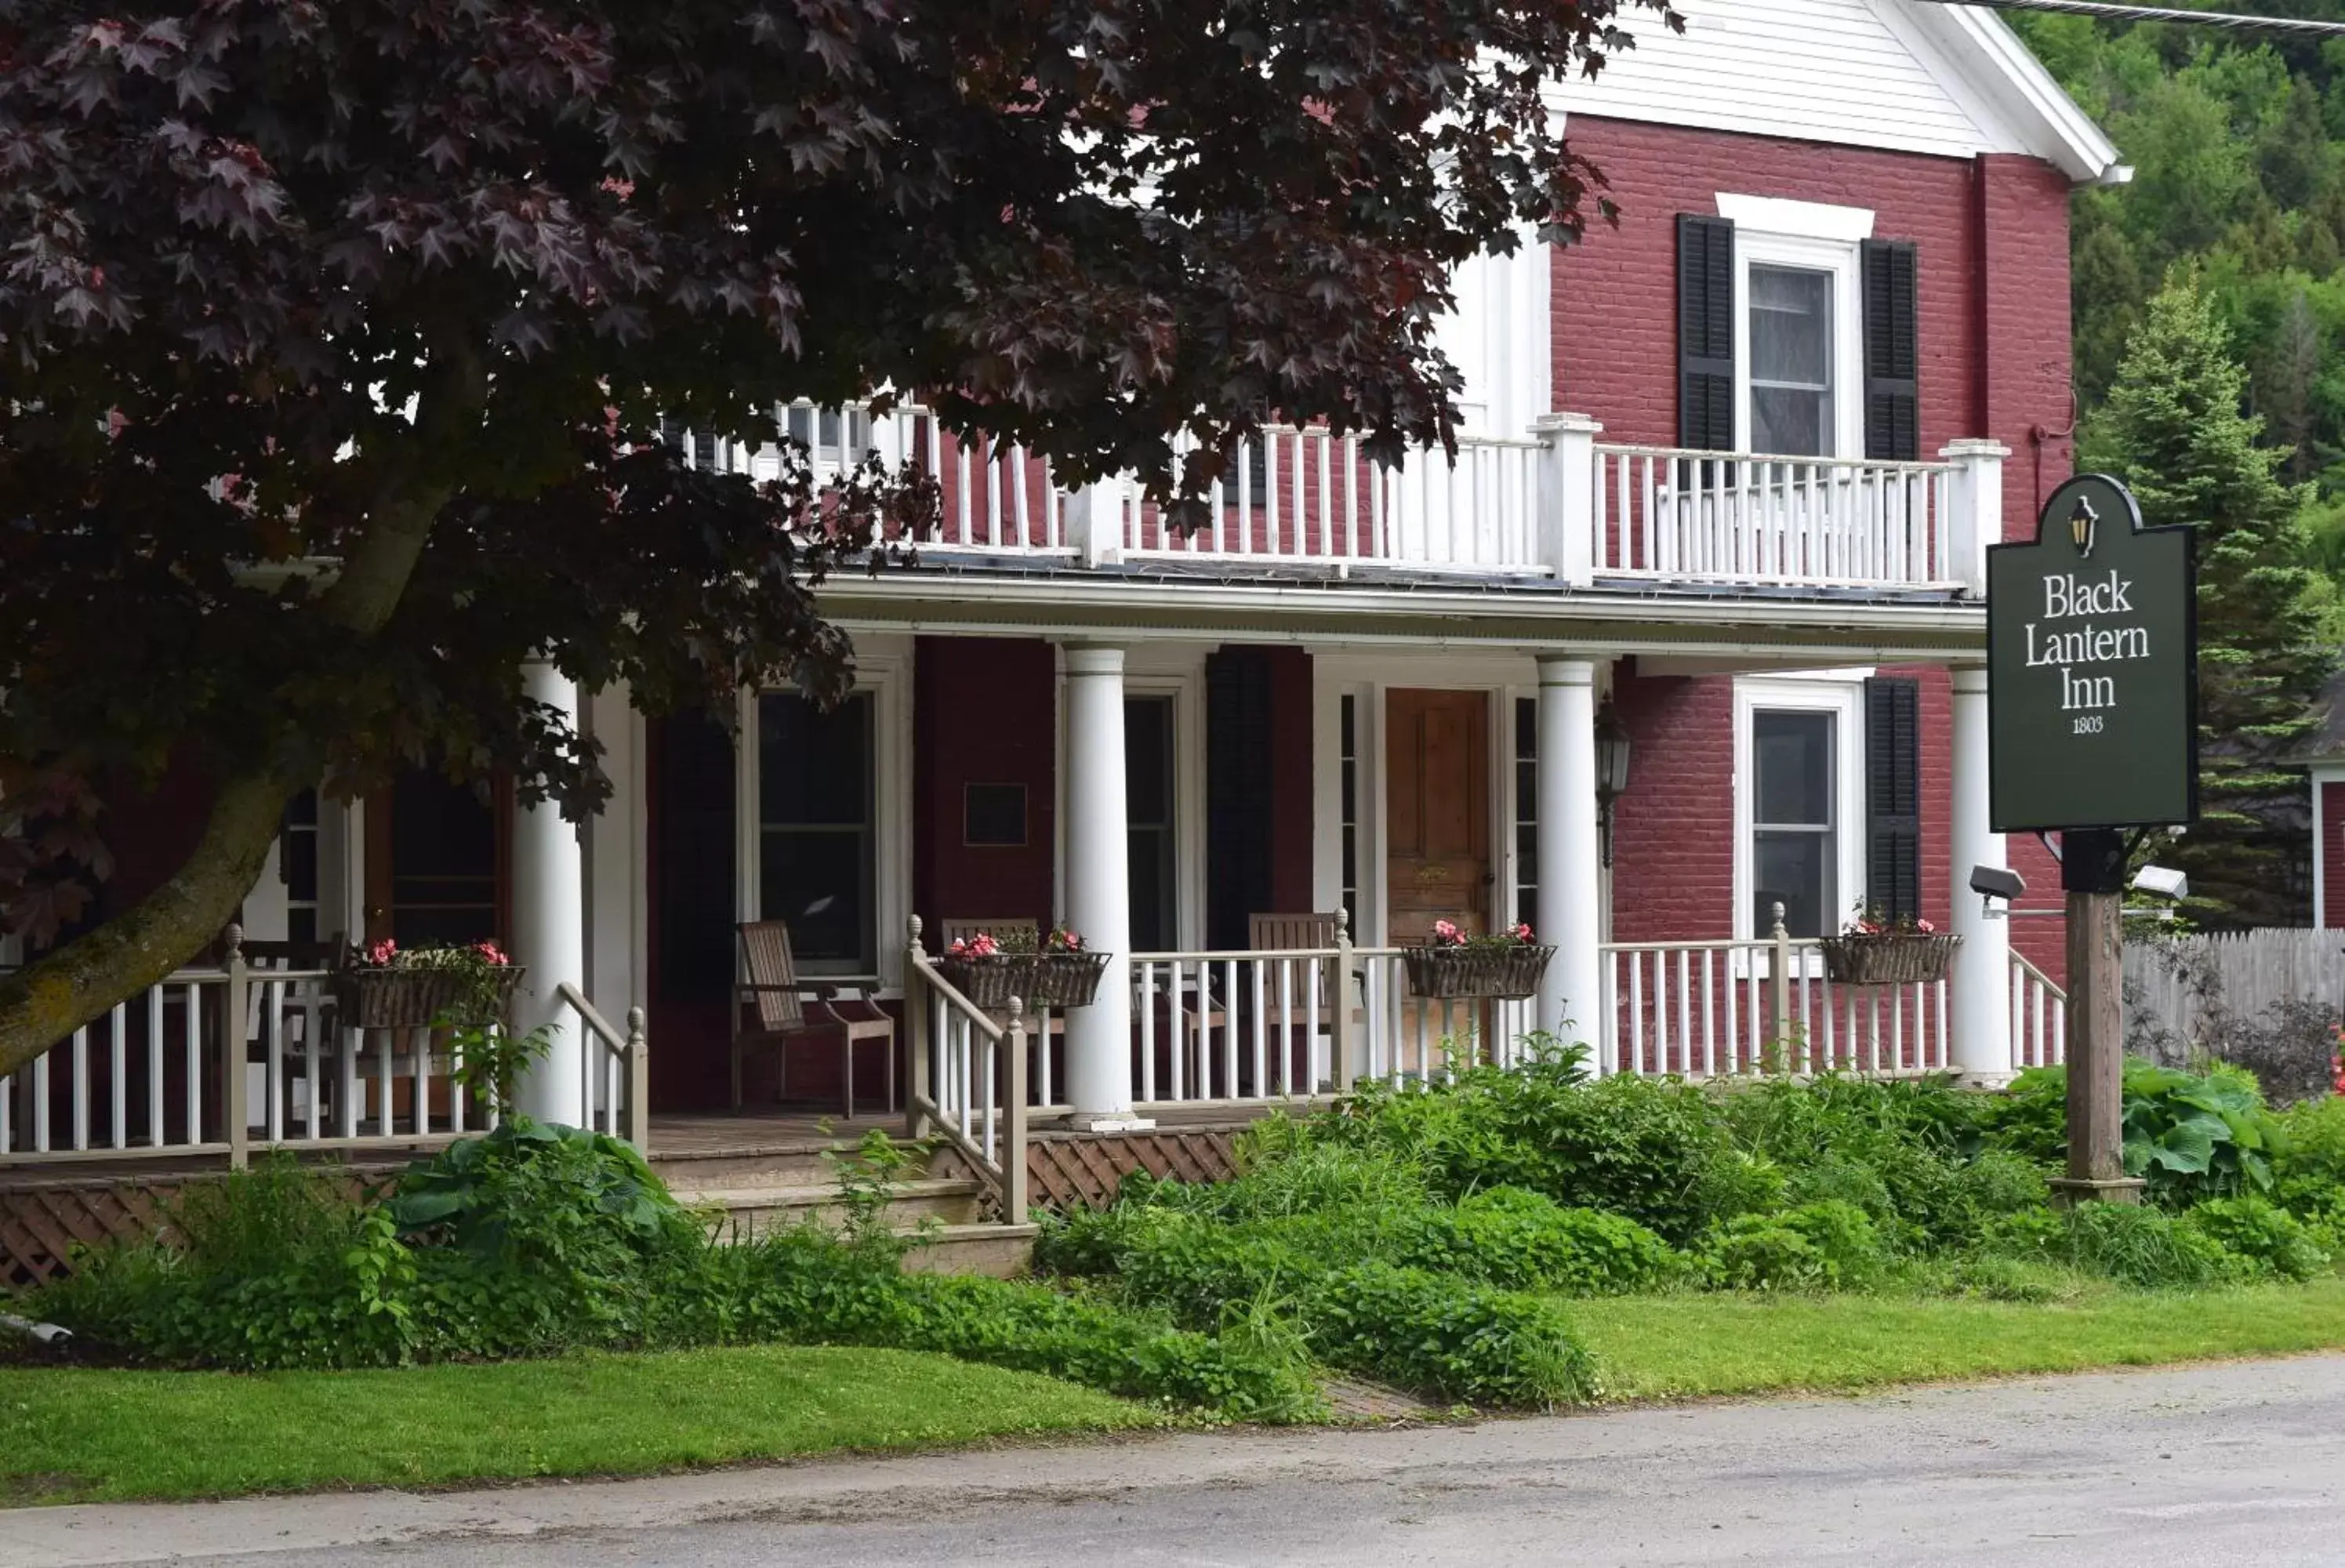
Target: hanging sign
(2092,668)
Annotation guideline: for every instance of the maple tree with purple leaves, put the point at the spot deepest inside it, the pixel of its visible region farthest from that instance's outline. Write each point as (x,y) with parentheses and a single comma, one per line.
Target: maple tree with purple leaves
(335,334)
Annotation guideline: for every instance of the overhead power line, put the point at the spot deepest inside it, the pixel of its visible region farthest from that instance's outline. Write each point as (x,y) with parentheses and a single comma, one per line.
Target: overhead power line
(2108,10)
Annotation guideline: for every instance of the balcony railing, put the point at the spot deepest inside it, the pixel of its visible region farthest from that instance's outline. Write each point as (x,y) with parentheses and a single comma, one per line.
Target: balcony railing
(1554,504)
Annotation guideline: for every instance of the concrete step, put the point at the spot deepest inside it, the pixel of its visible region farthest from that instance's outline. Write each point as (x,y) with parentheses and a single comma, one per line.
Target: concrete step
(1003,1252)
(756,1210)
(793,1165)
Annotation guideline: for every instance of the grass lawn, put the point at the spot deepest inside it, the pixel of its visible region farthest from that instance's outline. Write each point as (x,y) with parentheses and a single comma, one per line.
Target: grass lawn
(74,1436)
(1687,1346)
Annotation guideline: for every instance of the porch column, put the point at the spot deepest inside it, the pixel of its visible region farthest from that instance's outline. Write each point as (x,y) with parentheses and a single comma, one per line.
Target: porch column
(1981,1000)
(549,927)
(1098,892)
(1570,899)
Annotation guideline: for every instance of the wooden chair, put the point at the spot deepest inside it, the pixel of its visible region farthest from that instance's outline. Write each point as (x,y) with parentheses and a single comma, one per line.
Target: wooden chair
(307,1032)
(1296,933)
(785,1010)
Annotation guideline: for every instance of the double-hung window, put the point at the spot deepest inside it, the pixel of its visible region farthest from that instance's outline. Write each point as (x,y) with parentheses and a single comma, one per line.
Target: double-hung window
(1800,813)
(1792,354)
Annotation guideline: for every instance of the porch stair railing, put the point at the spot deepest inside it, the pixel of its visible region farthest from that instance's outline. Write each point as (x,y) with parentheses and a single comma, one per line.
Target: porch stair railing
(969,1077)
(2039,1017)
(615,1092)
(217,1061)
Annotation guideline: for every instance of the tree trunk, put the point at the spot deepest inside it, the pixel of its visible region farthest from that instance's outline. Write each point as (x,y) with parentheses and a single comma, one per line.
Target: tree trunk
(46,1002)
(59,993)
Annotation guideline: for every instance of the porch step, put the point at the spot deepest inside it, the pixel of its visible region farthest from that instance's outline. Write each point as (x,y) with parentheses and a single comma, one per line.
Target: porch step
(1003,1252)
(734,1169)
(759,1209)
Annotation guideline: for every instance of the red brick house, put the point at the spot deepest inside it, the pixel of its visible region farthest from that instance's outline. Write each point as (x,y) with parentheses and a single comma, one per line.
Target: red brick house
(1691,631)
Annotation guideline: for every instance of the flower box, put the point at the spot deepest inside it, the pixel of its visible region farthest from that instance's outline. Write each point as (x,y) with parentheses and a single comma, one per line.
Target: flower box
(1888,959)
(1037,980)
(1511,972)
(1063,979)
(988,980)
(371,997)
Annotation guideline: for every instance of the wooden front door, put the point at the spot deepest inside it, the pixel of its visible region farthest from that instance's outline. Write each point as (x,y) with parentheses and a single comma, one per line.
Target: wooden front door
(435,861)
(1438,812)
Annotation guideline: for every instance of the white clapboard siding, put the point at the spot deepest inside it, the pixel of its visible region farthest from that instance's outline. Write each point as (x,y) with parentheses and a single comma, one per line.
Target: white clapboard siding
(1851,72)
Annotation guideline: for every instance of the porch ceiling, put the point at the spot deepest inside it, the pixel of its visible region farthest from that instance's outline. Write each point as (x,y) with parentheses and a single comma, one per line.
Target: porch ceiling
(1605,619)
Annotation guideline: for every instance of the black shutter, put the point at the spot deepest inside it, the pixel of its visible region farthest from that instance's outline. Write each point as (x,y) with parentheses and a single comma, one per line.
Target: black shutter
(1893,420)
(1705,333)
(1892,797)
(1237,793)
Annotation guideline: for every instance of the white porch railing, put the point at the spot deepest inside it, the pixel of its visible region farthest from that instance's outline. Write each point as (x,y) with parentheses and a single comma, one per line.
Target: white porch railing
(1740,517)
(1552,504)
(969,1077)
(2039,1017)
(219,1062)
(1709,1009)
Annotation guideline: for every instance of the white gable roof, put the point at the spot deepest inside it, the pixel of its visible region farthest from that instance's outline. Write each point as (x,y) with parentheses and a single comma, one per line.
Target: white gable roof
(1905,74)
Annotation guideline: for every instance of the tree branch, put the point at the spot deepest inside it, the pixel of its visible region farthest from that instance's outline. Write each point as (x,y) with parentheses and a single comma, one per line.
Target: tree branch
(64,989)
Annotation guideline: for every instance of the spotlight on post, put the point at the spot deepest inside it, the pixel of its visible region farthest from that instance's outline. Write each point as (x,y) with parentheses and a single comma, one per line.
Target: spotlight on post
(2162,882)
(1994,882)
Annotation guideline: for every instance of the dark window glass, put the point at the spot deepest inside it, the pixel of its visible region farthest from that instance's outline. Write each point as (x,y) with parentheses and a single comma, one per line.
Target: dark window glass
(993,815)
(1147,754)
(1794,839)
(1526,809)
(443,882)
(816,866)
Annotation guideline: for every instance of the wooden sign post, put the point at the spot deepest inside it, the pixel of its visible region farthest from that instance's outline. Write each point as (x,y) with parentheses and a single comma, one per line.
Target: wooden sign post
(2093,729)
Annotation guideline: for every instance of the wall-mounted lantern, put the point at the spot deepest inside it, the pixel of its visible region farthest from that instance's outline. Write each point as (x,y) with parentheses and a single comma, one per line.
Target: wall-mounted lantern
(1611,771)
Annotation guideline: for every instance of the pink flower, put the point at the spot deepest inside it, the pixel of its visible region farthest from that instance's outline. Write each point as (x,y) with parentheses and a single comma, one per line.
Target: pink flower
(381,952)
(1925,927)
(1523,933)
(1447,934)
(980,945)
(491,952)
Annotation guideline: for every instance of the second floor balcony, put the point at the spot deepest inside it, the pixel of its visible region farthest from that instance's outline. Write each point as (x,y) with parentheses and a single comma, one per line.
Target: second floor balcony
(1556,505)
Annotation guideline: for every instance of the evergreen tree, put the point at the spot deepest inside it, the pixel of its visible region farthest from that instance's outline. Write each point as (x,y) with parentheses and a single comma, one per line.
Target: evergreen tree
(2173,430)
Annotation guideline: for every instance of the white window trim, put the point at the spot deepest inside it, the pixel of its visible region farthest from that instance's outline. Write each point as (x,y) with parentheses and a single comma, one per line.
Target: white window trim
(887,677)
(1817,238)
(1796,220)
(1843,696)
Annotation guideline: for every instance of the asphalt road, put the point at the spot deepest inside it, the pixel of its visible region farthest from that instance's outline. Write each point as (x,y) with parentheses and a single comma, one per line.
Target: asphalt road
(2242,1464)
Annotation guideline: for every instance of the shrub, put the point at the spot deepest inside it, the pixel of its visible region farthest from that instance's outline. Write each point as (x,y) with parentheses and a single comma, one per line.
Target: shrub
(2308,1166)
(1461,1341)
(1511,1236)
(2133,1244)
(276,1266)
(2189,1137)
(2267,1236)
(1817,1246)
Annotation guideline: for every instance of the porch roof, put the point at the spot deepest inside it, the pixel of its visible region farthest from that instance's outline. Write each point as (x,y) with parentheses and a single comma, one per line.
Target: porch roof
(975,593)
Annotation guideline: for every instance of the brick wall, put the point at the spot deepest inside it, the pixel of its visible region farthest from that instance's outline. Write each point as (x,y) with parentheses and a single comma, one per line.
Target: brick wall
(2333,855)
(1992,240)
(984,711)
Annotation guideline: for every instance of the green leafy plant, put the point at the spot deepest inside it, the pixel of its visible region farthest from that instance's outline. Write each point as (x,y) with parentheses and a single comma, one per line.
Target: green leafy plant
(868,1176)
(2188,1136)
(2276,1241)
(1462,1341)
(1829,1245)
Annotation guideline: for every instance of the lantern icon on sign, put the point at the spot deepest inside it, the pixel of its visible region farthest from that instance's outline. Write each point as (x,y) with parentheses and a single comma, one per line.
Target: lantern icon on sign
(2081,524)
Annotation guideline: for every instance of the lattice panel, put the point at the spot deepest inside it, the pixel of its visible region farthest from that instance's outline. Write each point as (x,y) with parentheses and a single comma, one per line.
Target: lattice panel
(40,1226)
(1087,1169)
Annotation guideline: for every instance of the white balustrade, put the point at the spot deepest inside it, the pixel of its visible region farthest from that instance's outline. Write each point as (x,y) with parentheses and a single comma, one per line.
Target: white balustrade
(225,1060)
(1712,1009)
(2039,1017)
(1668,512)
